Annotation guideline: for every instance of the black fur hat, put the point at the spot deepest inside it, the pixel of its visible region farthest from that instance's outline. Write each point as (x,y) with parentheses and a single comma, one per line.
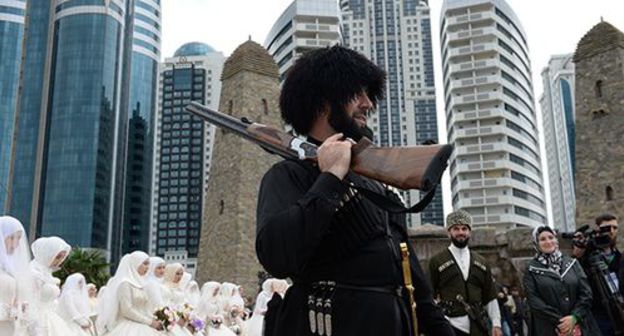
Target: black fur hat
(333,75)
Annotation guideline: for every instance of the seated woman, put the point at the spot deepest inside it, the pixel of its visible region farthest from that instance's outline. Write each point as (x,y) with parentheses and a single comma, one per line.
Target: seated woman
(125,305)
(558,294)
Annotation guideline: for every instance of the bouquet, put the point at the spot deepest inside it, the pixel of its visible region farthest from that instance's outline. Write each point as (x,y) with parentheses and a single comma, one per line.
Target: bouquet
(167,316)
(196,325)
(184,312)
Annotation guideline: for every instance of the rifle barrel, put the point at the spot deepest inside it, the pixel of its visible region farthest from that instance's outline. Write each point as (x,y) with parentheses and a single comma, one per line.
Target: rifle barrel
(234,125)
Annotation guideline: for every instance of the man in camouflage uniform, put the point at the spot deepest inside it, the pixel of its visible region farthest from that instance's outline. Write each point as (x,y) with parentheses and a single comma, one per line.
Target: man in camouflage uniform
(460,277)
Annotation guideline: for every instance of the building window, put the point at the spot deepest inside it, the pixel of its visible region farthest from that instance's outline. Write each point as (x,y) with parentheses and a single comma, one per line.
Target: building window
(609,193)
(598,89)
(265,106)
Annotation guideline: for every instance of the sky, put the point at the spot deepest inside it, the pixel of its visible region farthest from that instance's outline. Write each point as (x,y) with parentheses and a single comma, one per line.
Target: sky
(552,27)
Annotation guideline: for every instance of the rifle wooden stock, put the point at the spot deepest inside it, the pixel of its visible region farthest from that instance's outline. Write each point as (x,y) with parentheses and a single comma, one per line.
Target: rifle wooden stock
(411,167)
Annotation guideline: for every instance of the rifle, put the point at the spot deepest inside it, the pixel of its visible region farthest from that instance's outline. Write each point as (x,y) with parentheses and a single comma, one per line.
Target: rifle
(476,314)
(412,167)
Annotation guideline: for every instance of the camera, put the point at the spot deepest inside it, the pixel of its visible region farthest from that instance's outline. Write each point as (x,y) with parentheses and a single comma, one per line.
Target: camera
(591,239)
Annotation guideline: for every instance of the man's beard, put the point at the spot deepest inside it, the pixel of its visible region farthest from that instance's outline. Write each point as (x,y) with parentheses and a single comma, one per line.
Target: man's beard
(460,243)
(341,122)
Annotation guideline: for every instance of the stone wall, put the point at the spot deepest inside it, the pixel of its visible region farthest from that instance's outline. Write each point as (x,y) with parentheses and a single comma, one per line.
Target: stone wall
(599,96)
(228,231)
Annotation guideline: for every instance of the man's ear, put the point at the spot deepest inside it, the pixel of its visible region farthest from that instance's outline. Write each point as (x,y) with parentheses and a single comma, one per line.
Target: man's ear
(325,111)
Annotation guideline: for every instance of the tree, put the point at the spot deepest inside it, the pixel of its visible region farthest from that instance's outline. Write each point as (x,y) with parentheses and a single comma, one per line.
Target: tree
(90,263)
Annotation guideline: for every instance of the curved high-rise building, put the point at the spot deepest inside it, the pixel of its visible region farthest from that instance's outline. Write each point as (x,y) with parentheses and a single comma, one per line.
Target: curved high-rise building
(140,114)
(79,163)
(491,118)
(82,160)
(558,117)
(12,13)
(304,25)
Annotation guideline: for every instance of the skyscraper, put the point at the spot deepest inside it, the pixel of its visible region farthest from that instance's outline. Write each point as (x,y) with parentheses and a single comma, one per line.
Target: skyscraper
(141,94)
(305,25)
(69,161)
(396,35)
(558,113)
(183,150)
(11,33)
(495,168)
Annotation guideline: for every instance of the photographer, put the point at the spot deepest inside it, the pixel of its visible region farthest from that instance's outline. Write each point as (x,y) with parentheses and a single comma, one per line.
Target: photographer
(604,241)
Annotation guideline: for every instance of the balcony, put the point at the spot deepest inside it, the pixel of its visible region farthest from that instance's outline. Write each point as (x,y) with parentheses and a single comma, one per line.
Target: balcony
(467,50)
(476,131)
(470,82)
(463,35)
(461,19)
(482,148)
(474,65)
(484,165)
(474,115)
(320,28)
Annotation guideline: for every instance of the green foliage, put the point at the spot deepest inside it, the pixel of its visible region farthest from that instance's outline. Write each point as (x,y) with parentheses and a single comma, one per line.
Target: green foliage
(90,263)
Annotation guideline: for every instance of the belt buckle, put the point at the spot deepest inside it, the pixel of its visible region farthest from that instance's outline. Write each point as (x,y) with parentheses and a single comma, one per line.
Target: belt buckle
(399,291)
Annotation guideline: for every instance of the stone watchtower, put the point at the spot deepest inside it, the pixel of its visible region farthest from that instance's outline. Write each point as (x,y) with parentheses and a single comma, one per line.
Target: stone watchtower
(250,88)
(599,64)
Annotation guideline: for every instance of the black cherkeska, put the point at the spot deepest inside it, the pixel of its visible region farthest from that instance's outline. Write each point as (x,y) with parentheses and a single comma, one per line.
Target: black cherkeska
(313,227)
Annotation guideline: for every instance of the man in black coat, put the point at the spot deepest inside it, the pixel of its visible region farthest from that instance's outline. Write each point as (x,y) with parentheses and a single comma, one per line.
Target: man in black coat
(340,249)
(613,259)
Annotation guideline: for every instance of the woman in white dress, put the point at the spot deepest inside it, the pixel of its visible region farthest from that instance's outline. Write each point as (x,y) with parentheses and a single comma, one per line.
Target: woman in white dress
(74,305)
(232,307)
(211,313)
(124,308)
(49,253)
(174,295)
(256,323)
(14,259)
(193,295)
(93,300)
(154,283)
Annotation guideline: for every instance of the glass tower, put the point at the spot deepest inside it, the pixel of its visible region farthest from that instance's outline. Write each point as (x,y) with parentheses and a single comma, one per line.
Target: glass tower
(85,119)
(11,33)
(141,113)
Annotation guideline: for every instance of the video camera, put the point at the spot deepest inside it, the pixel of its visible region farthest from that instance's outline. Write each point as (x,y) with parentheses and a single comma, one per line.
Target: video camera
(604,286)
(591,239)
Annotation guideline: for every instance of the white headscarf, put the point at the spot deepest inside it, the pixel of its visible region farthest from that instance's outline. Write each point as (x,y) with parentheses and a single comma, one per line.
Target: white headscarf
(209,303)
(75,292)
(237,299)
(226,292)
(264,296)
(44,251)
(170,273)
(153,284)
(193,294)
(127,271)
(280,286)
(154,262)
(16,262)
(186,280)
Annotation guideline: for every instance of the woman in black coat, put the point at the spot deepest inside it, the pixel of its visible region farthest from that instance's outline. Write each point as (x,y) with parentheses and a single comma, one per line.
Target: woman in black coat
(558,294)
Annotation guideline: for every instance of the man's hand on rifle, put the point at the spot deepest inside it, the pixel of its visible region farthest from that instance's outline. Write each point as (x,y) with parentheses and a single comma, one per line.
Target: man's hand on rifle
(334,156)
